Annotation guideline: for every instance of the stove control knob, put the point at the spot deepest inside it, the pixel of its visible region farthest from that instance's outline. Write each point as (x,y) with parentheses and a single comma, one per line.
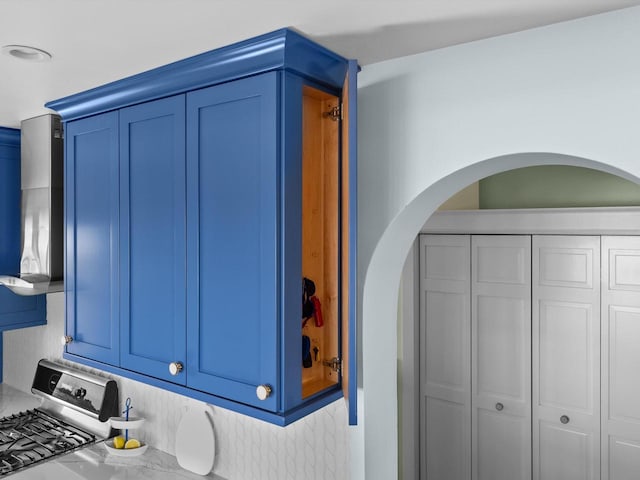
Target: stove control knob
(175,368)
(66,340)
(263,392)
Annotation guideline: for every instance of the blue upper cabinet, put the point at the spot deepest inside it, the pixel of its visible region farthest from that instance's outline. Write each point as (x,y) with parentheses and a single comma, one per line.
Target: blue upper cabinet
(152,237)
(227,184)
(15,311)
(91,228)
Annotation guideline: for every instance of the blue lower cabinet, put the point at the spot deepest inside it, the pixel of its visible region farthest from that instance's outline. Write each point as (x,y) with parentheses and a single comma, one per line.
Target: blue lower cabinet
(21,312)
(232,217)
(152,238)
(91,225)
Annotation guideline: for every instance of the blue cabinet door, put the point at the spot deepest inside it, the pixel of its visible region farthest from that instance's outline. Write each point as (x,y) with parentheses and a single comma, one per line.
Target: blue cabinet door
(349,203)
(232,237)
(152,237)
(91,217)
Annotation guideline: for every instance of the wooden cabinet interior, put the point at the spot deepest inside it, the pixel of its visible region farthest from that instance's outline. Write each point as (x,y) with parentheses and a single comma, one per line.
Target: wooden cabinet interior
(320,232)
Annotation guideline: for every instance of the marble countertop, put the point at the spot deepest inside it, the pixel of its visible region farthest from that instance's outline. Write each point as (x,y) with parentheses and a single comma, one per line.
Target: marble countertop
(14,401)
(93,462)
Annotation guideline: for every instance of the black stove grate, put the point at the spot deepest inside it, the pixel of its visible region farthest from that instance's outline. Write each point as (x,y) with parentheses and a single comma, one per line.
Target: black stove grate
(31,436)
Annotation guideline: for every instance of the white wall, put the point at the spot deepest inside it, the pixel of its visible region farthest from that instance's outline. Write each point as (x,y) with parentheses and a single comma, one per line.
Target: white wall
(314,448)
(433,123)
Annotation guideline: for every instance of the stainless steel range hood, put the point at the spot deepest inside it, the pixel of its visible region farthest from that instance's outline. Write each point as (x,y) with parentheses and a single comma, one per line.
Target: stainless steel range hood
(41,267)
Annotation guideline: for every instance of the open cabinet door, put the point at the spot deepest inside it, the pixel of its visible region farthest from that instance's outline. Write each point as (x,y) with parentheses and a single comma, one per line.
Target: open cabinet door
(349,220)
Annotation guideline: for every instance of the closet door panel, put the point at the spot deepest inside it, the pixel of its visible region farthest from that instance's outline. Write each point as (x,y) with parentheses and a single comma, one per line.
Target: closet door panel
(447,439)
(560,266)
(623,364)
(624,459)
(501,357)
(566,357)
(501,259)
(566,353)
(445,354)
(501,343)
(620,357)
(445,369)
(504,446)
(566,453)
(621,257)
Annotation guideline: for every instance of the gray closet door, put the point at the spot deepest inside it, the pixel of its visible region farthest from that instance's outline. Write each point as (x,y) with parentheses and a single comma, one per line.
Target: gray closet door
(620,358)
(501,357)
(566,358)
(445,399)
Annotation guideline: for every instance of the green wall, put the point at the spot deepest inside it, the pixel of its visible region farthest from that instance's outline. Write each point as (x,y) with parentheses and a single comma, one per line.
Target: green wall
(557,186)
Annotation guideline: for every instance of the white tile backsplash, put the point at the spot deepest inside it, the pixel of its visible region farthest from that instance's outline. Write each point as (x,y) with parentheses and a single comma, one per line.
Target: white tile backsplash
(313,448)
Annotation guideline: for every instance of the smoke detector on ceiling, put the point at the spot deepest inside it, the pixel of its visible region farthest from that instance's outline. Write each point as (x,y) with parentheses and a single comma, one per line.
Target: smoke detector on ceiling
(24,52)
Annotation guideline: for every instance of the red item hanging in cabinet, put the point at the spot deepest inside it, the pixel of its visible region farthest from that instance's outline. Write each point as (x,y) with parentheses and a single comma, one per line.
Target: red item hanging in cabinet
(317,311)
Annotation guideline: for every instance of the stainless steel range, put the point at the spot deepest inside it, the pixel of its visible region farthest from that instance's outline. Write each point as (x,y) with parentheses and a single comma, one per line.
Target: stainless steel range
(74,412)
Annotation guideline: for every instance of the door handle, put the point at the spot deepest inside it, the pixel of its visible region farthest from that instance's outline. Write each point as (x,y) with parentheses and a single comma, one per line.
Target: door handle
(263,391)
(175,368)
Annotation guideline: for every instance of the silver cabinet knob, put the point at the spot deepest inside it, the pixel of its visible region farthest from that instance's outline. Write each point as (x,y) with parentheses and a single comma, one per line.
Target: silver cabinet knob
(175,368)
(263,392)
(564,419)
(499,407)
(66,340)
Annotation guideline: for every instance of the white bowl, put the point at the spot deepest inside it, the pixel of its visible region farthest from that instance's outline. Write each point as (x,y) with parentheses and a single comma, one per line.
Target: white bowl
(124,452)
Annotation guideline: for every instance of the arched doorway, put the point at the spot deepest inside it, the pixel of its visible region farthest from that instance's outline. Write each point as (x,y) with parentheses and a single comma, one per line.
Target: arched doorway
(379,336)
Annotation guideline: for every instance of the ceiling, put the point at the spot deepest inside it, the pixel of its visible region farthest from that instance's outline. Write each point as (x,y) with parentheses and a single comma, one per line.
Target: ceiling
(97,41)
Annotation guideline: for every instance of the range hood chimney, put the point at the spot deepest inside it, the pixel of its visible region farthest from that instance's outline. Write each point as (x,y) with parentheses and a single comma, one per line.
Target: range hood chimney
(41,267)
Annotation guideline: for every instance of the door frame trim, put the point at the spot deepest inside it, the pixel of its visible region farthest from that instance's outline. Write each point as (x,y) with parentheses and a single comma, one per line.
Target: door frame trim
(409,367)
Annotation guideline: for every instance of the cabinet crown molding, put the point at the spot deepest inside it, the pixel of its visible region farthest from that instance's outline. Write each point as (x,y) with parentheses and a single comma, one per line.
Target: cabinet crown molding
(281,49)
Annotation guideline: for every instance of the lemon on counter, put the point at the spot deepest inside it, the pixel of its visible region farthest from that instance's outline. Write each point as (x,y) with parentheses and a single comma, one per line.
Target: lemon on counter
(118,442)
(132,443)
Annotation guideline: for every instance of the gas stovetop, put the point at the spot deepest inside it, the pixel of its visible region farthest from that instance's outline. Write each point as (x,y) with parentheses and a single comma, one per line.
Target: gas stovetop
(74,413)
(32,436)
